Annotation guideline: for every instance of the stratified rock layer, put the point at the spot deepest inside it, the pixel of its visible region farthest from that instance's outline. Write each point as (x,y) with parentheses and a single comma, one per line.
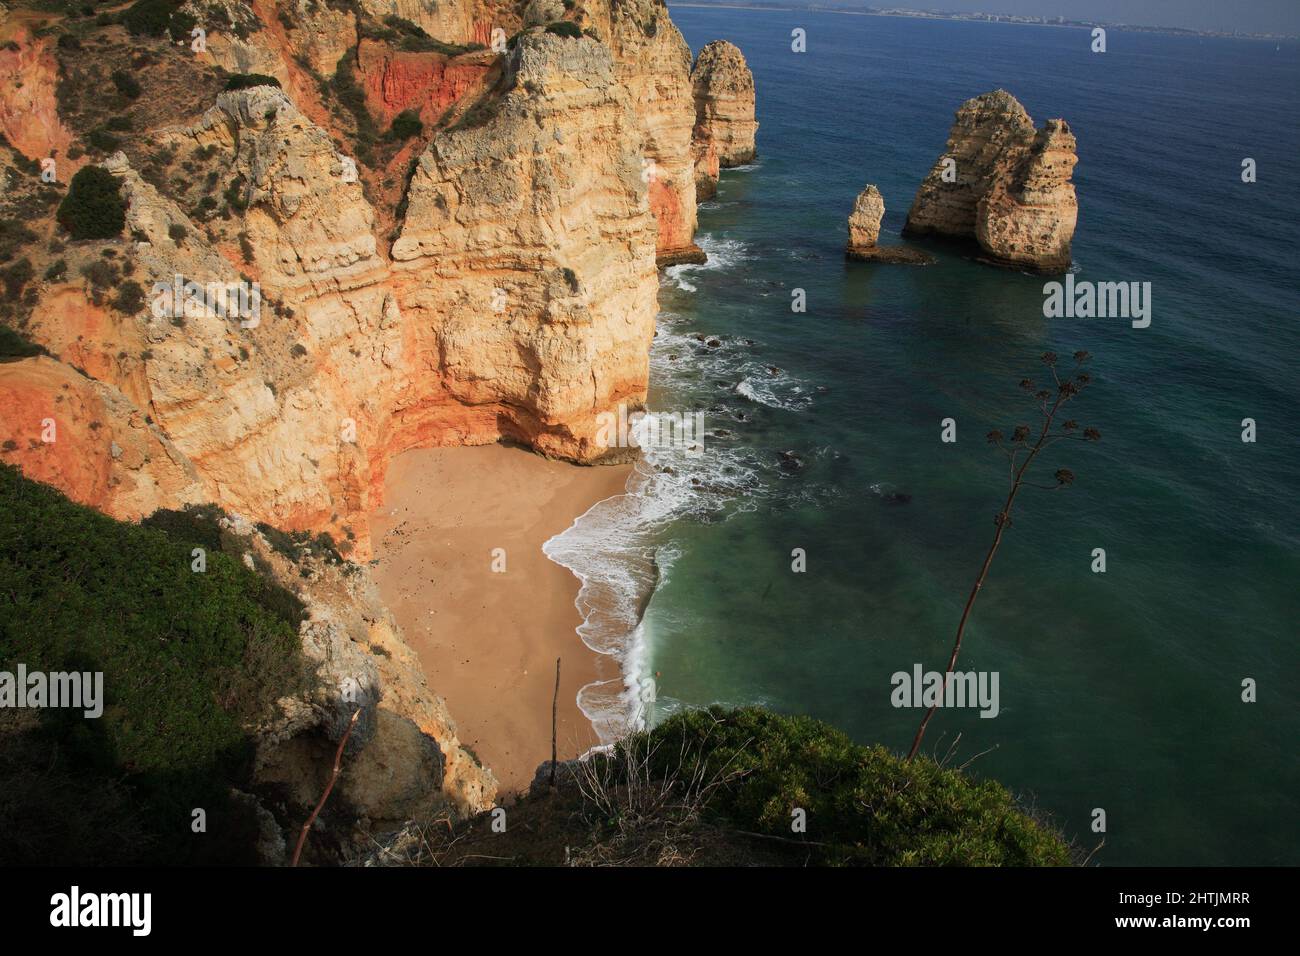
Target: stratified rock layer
(1004,185)
(652,62)
(519,302)
(723,89)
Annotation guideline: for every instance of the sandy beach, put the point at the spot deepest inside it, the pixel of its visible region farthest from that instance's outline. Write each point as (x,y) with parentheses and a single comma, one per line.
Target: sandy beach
(488,639)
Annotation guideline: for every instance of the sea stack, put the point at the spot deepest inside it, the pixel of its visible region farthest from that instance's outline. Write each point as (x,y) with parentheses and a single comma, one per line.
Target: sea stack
(864,221)
(1004,185)
(723,88)
(864,230)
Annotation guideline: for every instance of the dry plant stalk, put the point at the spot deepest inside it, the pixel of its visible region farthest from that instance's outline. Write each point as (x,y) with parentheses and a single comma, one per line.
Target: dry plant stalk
(1048,407)
(334,776)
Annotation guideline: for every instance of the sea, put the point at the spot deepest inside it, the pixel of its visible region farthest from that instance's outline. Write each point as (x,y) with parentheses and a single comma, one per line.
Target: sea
(822,537)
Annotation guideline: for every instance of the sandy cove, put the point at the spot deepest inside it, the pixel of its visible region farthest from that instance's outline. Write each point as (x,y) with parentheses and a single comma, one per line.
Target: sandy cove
(488,640)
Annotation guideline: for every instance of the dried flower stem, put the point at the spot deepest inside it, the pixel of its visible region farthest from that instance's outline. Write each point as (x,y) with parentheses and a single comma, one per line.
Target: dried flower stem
(1065,390)
(334,776)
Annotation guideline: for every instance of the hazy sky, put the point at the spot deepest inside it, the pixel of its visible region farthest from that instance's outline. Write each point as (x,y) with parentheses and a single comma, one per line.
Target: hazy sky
(1250,16)
(1255,16)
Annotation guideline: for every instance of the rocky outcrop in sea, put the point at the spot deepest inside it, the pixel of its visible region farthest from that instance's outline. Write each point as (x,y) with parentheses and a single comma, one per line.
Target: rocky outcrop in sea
(1004,185)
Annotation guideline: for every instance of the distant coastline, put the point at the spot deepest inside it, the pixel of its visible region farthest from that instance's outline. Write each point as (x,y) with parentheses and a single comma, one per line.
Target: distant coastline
(1013,19)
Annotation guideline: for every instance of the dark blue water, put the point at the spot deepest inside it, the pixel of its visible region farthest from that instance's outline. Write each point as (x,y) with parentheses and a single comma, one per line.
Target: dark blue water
(1121,690)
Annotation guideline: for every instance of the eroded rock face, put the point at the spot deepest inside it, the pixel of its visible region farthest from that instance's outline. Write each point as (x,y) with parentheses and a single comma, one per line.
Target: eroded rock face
(864,221)
(652,62)
(518,302)
(1002,184)
(427,83)
(29,118)
(403,757)
(723,89)
(707,166)
(527,263)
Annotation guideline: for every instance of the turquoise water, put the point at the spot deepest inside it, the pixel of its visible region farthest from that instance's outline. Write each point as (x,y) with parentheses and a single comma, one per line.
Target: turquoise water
(1119,690)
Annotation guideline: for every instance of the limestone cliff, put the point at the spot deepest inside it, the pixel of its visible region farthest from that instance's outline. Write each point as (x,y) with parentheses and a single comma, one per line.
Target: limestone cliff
(723,89)
(652,62)
(1004,185)
(527,263)
(490,276)
(519,300)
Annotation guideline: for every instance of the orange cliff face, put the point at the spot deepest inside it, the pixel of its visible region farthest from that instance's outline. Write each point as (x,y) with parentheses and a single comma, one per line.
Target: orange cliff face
(29,117)
(518,301)
(429,83)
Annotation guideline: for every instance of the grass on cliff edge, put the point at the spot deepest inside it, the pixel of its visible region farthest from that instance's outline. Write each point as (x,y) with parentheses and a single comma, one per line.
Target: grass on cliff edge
(190,661)
(716,787)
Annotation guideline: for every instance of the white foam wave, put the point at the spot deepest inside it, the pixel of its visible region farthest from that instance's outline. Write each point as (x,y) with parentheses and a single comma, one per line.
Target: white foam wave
(621,549)
(722,253)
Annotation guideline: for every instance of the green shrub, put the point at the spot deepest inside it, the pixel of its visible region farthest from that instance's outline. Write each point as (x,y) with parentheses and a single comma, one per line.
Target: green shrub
(293,544)
(13,345)
(130,298)
(244,81)
(149,17)
(234,194)
(16,277)
(126,84)
(565,28)
(57,270)
(102,140)
(13,236)
(405,125)
(101,274)
(189,659)
(194,523)
(865,805)
(353,97)
(177,233)
(180,25)
(93,208)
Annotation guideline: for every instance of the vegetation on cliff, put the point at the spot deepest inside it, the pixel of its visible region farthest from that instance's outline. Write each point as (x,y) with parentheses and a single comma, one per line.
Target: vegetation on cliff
(191,661)
(747,787)
(93,208)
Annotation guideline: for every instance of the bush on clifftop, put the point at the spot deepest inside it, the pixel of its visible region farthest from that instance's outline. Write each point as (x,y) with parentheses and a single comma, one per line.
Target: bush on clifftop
(149,17)
(565,28)
(721,788)
(866,805)
(190,661)
(93,208)
(244,81)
